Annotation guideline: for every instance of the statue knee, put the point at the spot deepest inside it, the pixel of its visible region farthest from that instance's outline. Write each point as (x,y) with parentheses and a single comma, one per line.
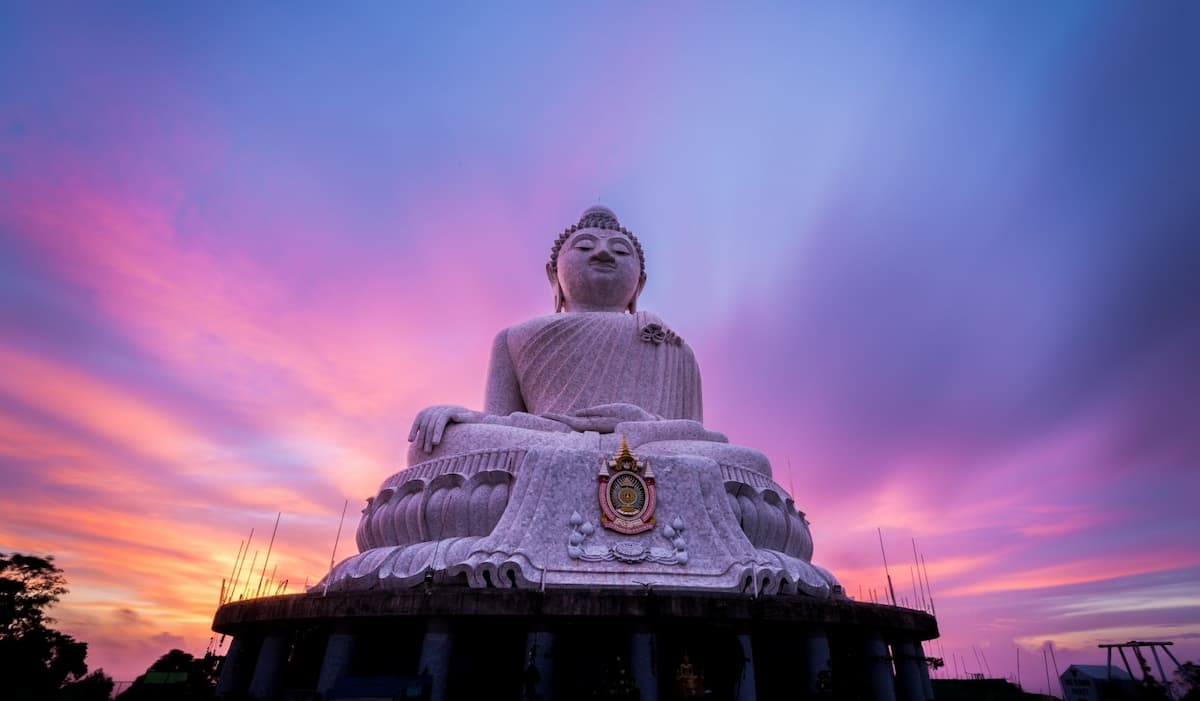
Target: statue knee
(462,438)
(721,453)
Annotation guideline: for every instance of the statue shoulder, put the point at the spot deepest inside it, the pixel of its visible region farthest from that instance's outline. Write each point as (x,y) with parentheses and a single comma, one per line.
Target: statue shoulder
(517,335)
(648,326)
(654,330)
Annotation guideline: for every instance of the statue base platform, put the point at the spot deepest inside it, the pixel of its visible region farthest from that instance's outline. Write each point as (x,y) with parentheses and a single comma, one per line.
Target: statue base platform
(531,518)
(454,642)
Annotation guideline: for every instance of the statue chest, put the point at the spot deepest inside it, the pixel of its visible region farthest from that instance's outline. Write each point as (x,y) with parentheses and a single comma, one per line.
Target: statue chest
(576,361)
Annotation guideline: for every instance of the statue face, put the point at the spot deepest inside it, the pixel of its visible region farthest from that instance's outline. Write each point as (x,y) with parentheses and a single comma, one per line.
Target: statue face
(598,269)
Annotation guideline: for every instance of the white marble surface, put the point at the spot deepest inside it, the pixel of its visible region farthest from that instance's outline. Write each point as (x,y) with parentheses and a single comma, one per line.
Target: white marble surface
(740,530)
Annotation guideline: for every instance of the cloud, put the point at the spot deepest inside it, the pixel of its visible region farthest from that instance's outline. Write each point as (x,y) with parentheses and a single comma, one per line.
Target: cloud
(950,296)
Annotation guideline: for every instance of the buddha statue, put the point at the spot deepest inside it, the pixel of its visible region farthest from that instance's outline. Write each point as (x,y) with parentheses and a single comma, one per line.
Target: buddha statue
(597,368)
(507,496)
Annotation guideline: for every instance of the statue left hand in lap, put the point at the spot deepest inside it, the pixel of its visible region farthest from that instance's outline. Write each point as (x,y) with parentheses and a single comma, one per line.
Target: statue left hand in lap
(603,418)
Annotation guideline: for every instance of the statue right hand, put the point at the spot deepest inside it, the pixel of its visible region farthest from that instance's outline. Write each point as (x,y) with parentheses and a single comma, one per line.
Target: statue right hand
(430,424)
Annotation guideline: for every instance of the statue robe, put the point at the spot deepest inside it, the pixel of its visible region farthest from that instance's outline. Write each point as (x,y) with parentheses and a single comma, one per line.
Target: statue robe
(553,366)
(567,362)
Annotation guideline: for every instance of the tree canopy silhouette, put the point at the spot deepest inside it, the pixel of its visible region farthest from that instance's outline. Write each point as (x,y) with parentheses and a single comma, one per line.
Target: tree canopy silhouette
(1188,684)
(176,676)
(37,661)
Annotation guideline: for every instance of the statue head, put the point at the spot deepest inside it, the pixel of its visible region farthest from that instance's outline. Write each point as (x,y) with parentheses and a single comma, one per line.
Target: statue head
(596,265)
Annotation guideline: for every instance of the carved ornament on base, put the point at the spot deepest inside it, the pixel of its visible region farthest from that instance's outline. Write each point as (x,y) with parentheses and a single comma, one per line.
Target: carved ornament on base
(627,492)
(629,552)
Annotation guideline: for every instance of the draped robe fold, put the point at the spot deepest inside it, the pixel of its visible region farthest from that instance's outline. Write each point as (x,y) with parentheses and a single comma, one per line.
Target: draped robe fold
(568,362)
(563,363)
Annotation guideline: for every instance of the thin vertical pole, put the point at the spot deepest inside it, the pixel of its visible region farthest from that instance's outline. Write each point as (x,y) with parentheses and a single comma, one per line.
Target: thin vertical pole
(237,578)
(1046,664)
(232,570)
(271,579)
(891,589)
(917,563)
(268,557)
(1168,651)
(1162,675)
(338,537)
(928,587)
(253,561)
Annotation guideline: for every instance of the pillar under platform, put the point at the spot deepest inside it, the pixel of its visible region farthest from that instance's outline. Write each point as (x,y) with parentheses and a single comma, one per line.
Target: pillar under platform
(483,638)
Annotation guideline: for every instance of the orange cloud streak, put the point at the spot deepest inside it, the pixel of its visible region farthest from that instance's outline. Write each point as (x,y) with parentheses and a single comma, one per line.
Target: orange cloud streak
(1079,571)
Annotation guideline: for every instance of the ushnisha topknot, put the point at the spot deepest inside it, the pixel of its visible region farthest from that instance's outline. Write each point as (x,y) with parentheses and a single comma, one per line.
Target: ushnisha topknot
(597,217)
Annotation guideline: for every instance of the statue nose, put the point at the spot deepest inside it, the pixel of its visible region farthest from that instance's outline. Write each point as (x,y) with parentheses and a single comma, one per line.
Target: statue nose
(603,255)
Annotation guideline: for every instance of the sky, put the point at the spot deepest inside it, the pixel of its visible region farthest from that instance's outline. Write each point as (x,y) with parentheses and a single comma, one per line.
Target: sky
(937,261)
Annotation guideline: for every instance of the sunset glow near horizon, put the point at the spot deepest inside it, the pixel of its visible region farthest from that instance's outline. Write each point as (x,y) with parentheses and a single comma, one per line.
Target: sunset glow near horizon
(938,262)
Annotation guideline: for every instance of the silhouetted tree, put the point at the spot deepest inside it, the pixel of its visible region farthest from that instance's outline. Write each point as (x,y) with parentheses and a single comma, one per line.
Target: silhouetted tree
(1152,689)
(37,661)
(28,586)
(175,675)
(96,686)
(1188,681)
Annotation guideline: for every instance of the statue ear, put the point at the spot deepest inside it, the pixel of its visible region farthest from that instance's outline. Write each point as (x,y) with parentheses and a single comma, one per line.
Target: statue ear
(558,295)
(637,293)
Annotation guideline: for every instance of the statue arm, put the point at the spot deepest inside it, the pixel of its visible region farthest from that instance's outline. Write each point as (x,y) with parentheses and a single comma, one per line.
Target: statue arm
(503,394)
(430,424)
(502,398)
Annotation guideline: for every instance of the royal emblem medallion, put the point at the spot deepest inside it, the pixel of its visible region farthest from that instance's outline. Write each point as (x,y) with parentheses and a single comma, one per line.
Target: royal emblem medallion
(626,491)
